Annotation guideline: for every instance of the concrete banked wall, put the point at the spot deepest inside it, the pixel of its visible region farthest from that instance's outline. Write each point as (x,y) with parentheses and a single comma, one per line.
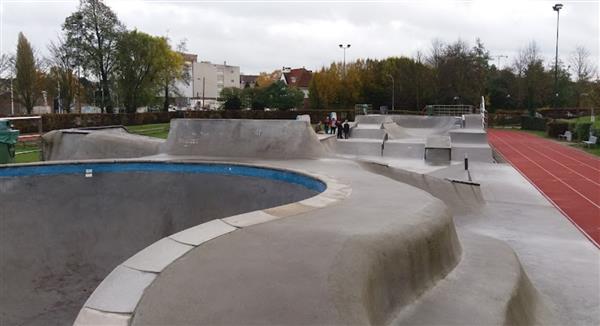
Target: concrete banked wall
(281,139)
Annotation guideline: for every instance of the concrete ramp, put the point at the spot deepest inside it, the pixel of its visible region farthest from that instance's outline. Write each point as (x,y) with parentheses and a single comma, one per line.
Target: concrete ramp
(93,143)
(394,131)
(273,139)
(473,121)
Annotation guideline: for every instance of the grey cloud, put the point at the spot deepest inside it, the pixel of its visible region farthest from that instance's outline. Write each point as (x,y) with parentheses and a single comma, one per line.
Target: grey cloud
(265,36)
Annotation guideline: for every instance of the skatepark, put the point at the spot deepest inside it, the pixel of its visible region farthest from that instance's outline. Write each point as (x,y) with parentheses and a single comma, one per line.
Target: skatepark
(412,220)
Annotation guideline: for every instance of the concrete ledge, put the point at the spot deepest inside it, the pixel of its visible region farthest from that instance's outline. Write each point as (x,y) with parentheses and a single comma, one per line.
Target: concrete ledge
(248,219)
(120,291)
(92,317)
(157,256)
(199,234)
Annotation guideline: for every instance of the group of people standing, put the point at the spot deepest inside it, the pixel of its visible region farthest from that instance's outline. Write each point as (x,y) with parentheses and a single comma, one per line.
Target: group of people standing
(333,126)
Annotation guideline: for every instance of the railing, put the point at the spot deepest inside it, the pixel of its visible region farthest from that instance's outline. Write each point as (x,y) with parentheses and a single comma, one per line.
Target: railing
(449,110)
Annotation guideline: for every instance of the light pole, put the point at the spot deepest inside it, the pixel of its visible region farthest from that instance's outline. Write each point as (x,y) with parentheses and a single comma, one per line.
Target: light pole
(393,91)
(12,98)
(344,47)
(499,57)
(557,7)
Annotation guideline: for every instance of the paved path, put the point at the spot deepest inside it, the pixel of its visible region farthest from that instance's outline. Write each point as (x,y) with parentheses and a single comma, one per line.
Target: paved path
(568,177)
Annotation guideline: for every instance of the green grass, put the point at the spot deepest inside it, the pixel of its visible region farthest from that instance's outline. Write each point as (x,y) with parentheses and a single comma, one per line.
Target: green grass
(27,152)
(536,132)
(158,130)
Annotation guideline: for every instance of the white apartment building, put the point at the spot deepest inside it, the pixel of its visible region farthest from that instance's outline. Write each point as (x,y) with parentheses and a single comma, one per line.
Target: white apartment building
(206,82)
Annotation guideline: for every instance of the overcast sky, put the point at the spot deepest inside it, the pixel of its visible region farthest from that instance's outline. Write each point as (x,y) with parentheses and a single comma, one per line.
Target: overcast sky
(266,35)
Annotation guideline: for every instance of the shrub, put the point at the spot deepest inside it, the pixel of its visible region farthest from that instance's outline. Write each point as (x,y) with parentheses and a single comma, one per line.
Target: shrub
(582,130)
(532,123)
(557,127)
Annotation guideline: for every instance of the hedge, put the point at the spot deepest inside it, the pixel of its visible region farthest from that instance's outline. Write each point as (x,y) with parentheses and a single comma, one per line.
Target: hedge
(78,120)
(533,123)
(557,127)
(582,130)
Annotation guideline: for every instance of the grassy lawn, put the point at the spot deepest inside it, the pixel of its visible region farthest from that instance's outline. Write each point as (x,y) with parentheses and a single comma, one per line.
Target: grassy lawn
(27,152)
(158,130)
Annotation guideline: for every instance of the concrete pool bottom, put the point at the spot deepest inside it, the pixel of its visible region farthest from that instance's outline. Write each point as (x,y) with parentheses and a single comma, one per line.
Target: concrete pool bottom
(63,233)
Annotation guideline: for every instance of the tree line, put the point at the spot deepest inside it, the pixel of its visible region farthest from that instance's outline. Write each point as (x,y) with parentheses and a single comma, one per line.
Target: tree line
(97,58)
(456,73)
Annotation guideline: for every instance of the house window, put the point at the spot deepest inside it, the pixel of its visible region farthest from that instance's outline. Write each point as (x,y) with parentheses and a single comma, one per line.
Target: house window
(293,80)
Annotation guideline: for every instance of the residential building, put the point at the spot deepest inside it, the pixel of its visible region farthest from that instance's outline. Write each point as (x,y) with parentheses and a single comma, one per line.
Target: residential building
(248,81)
(300,78)
(208,80)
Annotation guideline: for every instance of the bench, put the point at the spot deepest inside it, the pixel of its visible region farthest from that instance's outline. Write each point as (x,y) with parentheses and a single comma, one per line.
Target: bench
(568,136)
(591,141)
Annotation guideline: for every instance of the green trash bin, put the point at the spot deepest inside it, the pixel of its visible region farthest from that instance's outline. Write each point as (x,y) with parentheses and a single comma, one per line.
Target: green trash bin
(8,139)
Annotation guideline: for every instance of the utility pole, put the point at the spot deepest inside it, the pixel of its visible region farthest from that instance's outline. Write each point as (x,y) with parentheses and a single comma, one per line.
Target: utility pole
(557,7)
(393,92)
(344,47)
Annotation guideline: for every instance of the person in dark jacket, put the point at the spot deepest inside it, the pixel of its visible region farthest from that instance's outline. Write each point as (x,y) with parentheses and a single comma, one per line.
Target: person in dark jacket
(346,129)
(340,131)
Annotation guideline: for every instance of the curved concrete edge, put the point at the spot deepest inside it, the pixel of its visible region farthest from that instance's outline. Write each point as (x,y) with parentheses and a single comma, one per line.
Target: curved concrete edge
(487,287)
(93,317)
(114,301)
(375,275)
(459,197)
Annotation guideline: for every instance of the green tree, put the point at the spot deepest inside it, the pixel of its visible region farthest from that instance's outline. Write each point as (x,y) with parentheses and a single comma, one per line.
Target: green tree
(232,98)
(27,79)
(140,64)
(279,96)
(173,72)
(92,32)
(313,95)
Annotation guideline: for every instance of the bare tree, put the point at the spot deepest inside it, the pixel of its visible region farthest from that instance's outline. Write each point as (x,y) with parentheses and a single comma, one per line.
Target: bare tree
(526,57)
(61,64)
(6,64)
(582,68)
(436,52)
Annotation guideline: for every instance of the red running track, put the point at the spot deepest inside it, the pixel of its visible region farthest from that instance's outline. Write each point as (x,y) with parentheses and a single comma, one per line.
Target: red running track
(568,177)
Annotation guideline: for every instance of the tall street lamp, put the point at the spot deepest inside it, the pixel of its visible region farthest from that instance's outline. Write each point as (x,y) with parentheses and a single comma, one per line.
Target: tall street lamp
(557,7)
(344,47)
(393,91)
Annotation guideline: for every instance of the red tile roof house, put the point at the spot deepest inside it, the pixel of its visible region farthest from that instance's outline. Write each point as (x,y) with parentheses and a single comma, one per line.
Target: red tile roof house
(299,78)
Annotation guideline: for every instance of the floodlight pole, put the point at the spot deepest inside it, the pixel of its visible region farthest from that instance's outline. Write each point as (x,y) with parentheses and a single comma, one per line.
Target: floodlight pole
(557,7)
(12,98)
(393,92)
(344,47)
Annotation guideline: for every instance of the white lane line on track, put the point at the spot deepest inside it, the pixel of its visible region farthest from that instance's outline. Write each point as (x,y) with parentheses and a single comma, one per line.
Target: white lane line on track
(571,158)
(553,160)
(548,172)
(552,202)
